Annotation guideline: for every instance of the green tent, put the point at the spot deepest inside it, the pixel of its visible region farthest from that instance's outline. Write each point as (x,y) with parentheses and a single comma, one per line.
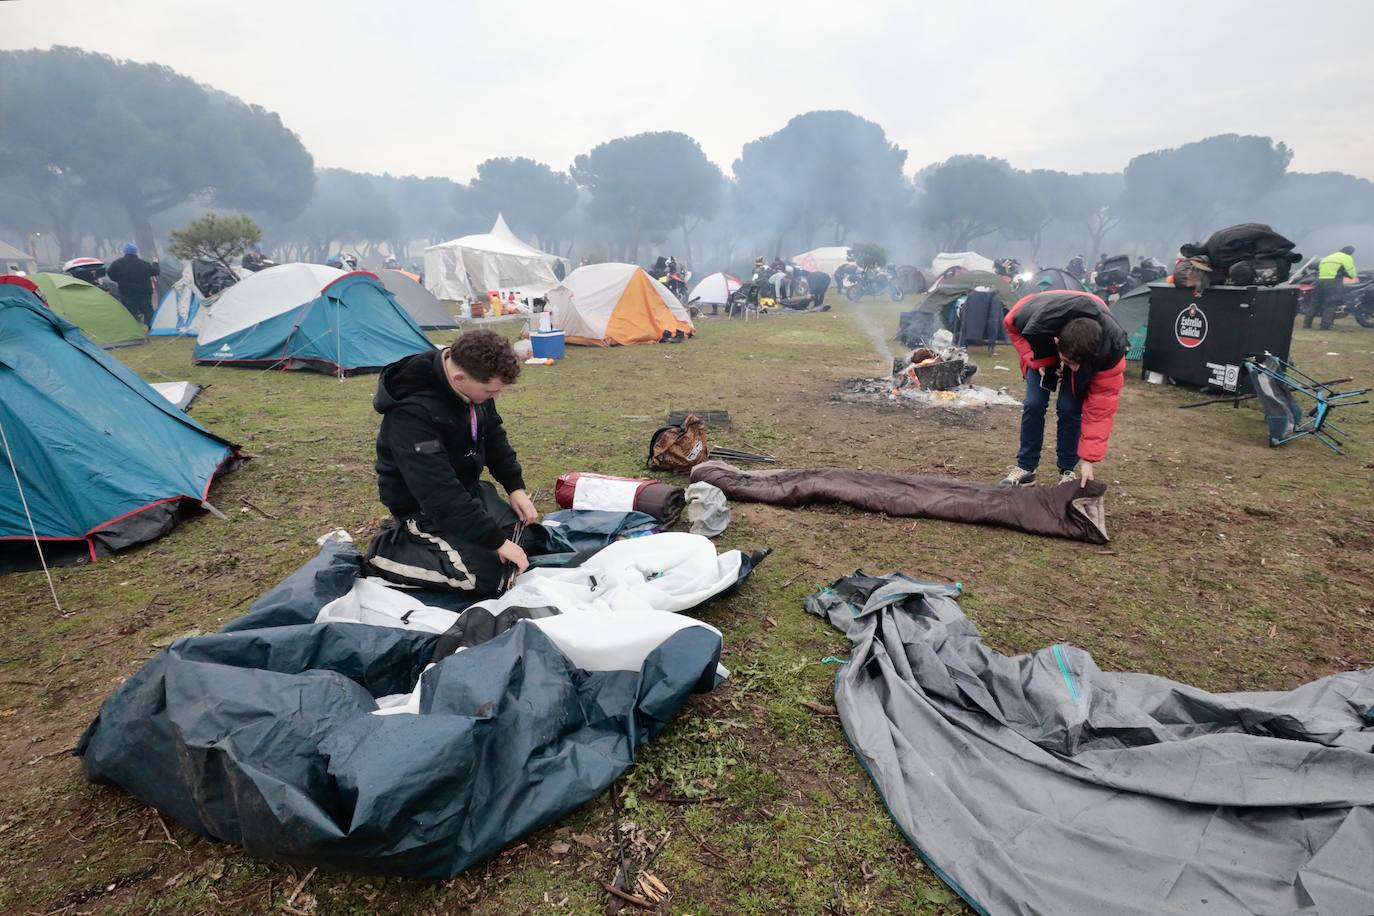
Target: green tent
(939,299)
(100,316)
(1132,311)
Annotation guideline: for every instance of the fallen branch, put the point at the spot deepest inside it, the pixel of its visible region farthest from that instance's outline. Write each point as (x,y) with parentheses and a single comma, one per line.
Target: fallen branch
(299,887)
(632,899)
(821,709)
(246,502)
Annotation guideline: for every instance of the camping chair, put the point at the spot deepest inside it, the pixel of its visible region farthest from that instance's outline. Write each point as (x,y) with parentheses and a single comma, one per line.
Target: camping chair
(1279,384)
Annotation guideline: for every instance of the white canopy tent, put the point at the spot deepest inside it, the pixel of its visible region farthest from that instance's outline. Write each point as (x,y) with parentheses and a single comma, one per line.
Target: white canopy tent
(12,259)
(969,260)
(825,260)
(467,267)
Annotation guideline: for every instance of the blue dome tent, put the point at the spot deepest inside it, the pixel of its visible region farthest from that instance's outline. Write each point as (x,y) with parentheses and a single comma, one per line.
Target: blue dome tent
(93,459)
(308,316)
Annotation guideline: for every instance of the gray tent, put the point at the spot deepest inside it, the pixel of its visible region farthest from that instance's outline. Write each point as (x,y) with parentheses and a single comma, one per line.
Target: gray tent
(1041,784)
(12,259)
(938,300)
(1132,310)
(428,312)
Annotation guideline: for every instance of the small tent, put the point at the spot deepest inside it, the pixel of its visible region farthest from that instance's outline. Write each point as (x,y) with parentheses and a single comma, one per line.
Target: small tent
(1132,312)
(428,312)
(968,260)
(100,316)
(299,316)
(14,259)
(468,267)
(1052,278)
(714,290)
(183,309)
(942,300)
(102,460)
(826,260)
(603,305)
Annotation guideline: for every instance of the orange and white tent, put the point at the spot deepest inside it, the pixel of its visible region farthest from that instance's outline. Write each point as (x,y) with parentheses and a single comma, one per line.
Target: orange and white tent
(607,305)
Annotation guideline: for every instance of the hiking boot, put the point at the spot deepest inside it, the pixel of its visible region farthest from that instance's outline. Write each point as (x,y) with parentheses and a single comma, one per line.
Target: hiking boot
(1067,476)
(1018,477)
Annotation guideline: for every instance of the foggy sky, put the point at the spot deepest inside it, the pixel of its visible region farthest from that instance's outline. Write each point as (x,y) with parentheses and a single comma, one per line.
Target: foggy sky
(1064,85)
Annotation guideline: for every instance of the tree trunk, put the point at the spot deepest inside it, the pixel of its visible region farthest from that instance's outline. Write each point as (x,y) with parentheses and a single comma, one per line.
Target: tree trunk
(137,208)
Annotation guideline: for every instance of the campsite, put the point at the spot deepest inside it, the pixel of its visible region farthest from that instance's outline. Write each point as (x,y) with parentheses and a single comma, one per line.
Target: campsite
(465,471)
(761,802)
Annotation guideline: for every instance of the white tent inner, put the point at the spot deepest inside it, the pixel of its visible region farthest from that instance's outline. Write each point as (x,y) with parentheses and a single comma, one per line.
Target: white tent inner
(714,289)
(825,260)
(469,266)
(969,260)
(263,295)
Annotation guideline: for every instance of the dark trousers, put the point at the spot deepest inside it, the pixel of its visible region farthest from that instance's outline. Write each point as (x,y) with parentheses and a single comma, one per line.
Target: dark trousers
(411,551)
(142,309)
(1070,412)
(1326,298)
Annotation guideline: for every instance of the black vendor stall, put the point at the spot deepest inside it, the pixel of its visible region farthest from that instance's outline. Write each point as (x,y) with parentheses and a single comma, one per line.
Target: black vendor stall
(1203,340)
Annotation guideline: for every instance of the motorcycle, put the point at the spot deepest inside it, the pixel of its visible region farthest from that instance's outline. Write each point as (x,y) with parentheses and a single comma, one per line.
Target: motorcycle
(873,282)
(1358,301)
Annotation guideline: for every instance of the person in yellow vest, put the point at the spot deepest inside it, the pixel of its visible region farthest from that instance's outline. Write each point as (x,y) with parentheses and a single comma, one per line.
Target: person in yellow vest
(1332,273)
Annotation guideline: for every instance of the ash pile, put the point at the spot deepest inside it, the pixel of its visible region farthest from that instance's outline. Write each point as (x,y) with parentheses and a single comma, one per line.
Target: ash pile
(933,376)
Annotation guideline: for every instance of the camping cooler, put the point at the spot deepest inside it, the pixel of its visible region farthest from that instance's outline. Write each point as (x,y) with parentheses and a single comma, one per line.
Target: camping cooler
(547,344)
(1203,340)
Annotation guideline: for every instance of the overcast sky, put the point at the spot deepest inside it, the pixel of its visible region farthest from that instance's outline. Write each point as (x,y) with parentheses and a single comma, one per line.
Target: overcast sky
(1064,85)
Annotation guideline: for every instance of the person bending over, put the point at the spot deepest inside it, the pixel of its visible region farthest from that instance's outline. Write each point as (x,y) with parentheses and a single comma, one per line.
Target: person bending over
(1067,340)
(449,528)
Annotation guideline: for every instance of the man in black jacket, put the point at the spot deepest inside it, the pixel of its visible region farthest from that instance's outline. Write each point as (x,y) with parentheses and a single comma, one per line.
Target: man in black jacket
(449,529)
(135,278)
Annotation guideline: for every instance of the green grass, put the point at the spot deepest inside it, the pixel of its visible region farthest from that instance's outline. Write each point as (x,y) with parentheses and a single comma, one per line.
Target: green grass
(763,806)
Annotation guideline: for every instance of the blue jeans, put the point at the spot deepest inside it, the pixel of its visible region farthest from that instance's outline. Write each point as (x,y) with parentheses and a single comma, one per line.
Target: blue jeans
(1070,411)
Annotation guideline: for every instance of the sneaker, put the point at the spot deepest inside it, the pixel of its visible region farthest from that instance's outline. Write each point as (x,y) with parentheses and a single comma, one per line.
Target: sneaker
(1067,476)
(1018,477)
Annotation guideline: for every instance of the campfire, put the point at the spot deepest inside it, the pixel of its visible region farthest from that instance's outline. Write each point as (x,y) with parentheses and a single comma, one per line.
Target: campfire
(929,377)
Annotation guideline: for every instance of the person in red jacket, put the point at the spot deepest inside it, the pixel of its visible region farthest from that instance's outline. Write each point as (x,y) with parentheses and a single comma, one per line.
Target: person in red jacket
(1067,340)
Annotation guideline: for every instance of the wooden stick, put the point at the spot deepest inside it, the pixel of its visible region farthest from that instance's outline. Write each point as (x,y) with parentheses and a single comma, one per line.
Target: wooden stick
(300,887)
(257,508)
(632,899)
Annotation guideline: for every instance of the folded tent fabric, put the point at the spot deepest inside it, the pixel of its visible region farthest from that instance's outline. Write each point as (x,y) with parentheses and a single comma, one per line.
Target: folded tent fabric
(1066,510)
(317,731)
(1041,784)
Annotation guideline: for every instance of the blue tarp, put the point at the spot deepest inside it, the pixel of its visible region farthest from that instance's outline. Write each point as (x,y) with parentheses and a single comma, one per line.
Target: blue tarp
(267,734)
(104,460)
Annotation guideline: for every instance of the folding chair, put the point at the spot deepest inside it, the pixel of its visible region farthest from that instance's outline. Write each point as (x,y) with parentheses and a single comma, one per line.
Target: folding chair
(1279,386)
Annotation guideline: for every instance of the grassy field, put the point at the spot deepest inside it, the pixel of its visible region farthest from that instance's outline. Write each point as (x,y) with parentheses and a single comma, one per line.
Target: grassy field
(1233,567)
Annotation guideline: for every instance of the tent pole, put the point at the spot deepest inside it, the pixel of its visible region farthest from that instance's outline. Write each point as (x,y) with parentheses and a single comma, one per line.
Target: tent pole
(9,456)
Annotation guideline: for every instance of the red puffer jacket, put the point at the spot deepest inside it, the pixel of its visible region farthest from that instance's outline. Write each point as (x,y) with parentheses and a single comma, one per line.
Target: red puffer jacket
(1035,321)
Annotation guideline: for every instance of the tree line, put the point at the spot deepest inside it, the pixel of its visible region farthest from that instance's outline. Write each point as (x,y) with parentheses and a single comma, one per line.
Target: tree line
(95,150)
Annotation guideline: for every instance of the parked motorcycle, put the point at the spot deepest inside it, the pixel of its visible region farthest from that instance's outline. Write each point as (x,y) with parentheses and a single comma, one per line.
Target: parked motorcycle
(874,281)
(1358,301)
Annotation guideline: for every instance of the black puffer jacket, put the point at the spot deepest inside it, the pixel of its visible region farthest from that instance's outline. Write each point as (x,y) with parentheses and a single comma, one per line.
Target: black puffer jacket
(427,461)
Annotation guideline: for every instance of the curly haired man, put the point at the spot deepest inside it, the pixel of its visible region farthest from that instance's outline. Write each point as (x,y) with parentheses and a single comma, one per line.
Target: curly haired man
(449,528)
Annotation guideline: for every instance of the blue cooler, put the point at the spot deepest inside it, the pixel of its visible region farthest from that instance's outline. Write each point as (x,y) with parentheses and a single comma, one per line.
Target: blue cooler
(547,344)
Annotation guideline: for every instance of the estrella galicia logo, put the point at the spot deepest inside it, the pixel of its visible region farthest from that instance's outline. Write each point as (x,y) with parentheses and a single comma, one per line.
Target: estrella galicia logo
(1190,328)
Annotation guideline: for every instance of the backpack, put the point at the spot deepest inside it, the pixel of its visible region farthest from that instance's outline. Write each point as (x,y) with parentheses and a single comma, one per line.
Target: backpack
(1192,273)
(678,448)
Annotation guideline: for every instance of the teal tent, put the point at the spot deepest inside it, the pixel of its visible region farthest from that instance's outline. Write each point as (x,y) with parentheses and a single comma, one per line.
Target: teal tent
(101,460)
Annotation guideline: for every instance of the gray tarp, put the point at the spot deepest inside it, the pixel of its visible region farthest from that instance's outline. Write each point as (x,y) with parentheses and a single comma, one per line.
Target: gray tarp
(1040,784)
(1065,510)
